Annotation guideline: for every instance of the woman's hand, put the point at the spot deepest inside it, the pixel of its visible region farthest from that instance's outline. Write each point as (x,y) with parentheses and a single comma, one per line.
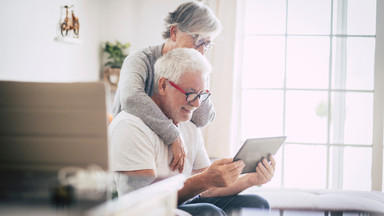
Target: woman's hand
(179,154)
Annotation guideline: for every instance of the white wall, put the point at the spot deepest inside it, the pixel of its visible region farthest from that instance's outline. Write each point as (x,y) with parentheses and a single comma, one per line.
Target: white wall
(137,22)
(219,135)
(28,49)
(30,53)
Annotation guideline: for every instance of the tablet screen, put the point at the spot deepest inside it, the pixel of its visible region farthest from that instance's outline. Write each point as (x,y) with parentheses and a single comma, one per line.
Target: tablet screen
(255,149)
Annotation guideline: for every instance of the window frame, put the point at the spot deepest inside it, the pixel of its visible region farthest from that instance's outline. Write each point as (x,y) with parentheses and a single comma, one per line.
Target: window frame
(378,102)
(378,93)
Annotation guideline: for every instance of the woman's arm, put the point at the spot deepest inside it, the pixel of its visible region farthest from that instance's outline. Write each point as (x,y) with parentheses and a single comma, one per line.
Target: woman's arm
(136,82)
(133,96)
(203,115)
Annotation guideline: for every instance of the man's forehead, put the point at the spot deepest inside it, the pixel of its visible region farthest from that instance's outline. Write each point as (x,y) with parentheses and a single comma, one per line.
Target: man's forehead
(193,80)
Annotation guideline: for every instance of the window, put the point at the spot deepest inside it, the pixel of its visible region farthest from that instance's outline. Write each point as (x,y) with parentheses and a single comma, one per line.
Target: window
(308,73)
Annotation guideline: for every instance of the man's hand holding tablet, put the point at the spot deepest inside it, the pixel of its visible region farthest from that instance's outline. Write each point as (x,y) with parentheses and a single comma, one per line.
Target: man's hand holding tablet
(254,150)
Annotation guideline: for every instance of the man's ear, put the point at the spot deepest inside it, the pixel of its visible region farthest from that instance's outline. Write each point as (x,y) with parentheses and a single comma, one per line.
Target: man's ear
(162,85)
(173,32)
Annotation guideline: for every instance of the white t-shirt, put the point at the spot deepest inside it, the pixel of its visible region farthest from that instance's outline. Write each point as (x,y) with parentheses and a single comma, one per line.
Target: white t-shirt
(134,146)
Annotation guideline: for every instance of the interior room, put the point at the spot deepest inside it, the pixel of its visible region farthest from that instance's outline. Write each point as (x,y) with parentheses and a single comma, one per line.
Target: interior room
(309,70)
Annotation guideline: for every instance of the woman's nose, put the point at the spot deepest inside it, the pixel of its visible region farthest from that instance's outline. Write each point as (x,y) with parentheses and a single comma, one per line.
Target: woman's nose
(201,49)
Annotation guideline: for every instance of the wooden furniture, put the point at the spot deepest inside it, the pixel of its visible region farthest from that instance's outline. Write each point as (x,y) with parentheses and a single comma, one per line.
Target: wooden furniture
(111,76)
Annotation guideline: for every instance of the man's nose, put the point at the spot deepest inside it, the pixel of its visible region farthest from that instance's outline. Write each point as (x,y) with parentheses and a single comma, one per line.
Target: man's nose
(196,103)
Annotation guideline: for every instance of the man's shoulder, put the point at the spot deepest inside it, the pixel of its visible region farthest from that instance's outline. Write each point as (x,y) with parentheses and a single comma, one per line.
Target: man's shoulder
(128,120)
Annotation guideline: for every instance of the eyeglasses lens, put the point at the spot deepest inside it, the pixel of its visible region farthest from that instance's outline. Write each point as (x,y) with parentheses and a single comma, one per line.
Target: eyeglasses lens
(202,96)
(201,42)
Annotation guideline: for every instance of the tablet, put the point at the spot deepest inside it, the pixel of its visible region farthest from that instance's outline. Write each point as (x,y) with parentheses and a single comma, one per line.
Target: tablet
(254,150)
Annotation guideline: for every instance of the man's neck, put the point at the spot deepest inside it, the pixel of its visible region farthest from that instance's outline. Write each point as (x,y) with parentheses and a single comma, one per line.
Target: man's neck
(157,101)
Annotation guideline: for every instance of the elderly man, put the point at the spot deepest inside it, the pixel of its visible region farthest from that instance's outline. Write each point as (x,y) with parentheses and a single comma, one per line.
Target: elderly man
(181,78)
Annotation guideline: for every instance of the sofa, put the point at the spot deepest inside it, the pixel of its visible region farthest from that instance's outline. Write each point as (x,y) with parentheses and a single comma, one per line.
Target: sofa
(328,202)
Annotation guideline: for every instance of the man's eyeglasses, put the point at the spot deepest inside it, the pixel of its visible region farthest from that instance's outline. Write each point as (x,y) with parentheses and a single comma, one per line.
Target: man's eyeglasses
(191,96)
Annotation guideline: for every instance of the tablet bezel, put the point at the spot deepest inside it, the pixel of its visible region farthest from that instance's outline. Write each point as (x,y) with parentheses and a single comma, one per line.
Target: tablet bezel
(255,149)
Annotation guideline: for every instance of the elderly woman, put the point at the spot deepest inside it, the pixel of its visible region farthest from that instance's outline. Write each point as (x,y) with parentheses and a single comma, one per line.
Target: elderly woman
(191,25)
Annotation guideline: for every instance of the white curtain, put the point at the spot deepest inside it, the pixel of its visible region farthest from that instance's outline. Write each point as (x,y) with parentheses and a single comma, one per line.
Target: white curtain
(221,135)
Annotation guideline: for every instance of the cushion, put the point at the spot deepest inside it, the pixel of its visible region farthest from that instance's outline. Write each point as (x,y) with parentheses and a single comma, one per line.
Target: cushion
(322,200)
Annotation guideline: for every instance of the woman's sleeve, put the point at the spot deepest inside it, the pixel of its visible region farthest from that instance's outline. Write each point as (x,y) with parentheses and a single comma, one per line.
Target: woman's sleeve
(204,114)
(134,99)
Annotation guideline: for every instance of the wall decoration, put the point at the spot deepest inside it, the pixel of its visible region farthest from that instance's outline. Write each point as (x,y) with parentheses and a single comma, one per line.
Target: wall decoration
(68,29)
(70,22)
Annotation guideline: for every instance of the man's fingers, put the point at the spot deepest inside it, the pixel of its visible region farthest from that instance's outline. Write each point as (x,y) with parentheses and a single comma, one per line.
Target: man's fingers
(235,165)
(224,161)
(273,162)
(265,169)
(230,166)
(261,174)
(269,167)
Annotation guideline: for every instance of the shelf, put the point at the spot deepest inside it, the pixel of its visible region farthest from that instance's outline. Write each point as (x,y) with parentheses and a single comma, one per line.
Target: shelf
(68,40)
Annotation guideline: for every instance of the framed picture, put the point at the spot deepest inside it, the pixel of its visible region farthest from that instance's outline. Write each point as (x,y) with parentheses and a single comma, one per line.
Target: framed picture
(68,27)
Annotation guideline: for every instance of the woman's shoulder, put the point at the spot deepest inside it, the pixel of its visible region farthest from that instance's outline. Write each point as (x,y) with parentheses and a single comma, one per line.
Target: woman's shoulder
(150,52)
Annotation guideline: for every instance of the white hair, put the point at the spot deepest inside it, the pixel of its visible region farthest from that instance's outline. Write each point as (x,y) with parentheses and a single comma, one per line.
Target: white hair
(193,17)
(179,61)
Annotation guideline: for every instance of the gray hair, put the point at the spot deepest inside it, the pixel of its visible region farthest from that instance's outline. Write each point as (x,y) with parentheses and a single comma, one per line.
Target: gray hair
(178,61)
(195,18)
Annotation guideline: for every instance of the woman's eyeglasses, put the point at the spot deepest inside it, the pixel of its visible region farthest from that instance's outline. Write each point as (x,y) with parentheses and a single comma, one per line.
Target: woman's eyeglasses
(191,96)
(200,42)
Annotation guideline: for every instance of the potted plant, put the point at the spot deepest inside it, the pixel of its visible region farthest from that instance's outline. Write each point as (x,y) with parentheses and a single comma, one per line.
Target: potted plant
(116,56)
